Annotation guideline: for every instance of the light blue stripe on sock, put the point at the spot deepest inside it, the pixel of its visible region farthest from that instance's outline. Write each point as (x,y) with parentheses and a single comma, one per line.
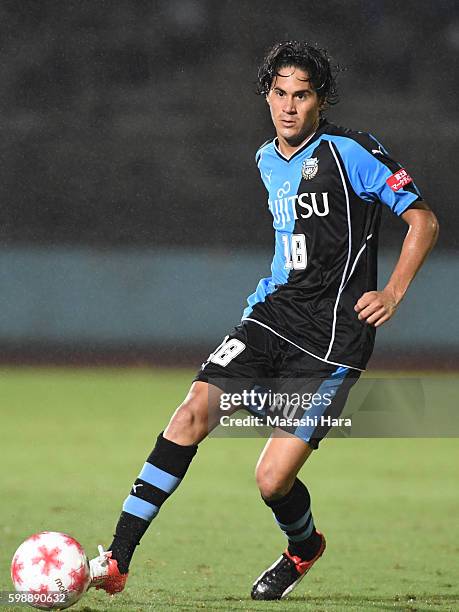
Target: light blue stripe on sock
(159,478)
(303,535)
(140,507)
(297,524)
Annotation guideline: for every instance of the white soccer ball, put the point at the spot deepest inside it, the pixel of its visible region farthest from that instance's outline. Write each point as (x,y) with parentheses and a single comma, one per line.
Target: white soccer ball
(50,571)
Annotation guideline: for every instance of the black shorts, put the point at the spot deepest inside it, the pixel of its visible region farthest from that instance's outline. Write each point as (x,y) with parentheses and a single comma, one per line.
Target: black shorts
(253,357)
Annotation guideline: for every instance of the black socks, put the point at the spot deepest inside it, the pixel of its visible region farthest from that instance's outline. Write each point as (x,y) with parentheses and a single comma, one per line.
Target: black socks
(293,515)
(158,479)
(129,530)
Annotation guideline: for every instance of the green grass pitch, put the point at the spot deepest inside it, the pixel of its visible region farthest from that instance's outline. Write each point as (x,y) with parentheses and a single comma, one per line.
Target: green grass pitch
(72,441)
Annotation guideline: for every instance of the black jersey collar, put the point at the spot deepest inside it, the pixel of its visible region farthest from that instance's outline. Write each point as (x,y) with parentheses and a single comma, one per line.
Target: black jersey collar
(320,130)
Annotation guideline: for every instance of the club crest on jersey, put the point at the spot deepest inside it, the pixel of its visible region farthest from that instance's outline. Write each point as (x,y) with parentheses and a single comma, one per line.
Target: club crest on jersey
(309,168)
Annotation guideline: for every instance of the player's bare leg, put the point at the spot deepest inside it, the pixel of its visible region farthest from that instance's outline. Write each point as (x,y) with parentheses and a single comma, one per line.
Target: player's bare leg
(160,476)
(280,461)
(196,416)
(289,500)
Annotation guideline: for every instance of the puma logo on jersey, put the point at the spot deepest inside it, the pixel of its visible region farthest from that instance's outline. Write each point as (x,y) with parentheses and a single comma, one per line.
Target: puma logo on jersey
(298,206)
(268,175)
(136,486)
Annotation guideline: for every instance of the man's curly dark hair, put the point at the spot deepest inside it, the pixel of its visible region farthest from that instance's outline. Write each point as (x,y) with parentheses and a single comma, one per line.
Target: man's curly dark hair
(301,55)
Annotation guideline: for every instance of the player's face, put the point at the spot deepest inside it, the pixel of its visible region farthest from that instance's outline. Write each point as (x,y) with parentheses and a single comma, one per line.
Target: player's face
(295,106)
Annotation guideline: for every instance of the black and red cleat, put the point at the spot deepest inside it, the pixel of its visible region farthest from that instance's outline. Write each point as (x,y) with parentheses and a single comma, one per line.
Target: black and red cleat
(284,574)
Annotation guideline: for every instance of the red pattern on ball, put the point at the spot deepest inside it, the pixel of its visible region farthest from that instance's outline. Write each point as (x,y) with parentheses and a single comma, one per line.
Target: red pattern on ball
(49,557)
(72,542)
(35,537)
(78,579)
(43,588)
(16,571)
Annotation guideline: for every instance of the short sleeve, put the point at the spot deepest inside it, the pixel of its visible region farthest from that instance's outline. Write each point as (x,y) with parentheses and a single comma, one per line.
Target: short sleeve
(375,176)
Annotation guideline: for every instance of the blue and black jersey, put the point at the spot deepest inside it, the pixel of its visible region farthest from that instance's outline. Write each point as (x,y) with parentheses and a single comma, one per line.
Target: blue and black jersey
(326,206)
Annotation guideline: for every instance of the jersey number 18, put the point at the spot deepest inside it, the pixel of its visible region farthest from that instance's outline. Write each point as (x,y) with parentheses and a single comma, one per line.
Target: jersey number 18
(295,253)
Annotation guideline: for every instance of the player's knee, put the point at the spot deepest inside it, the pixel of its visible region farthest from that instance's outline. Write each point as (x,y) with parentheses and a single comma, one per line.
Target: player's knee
(271,483)
(188,425)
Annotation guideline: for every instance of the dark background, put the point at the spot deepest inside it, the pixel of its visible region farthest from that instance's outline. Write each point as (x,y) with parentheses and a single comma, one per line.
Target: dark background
(135,123)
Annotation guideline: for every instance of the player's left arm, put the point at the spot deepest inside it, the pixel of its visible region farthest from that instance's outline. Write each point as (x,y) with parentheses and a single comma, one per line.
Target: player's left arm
(377,307)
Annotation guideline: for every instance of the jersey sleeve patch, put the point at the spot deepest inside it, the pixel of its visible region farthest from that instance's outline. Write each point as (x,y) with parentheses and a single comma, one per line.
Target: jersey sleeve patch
(399,179)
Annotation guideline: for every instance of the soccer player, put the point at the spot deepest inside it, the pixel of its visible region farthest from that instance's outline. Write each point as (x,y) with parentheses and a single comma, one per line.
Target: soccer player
(314,319)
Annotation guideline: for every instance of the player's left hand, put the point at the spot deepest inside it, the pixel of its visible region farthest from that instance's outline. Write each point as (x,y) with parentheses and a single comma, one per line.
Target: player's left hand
(376,307)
